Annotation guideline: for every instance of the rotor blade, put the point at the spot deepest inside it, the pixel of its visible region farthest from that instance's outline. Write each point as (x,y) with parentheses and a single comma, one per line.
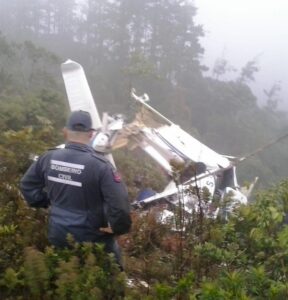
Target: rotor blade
(260,149)
(236,162)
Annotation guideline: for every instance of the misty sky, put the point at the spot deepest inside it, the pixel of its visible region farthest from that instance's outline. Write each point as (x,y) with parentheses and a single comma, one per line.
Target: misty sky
(241,30)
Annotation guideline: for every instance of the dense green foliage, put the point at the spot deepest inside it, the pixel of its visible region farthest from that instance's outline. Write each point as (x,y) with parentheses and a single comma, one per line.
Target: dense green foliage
(244,257)
(29,87)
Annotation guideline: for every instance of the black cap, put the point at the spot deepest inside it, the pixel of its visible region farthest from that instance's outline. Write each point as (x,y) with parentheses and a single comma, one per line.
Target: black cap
(79,120)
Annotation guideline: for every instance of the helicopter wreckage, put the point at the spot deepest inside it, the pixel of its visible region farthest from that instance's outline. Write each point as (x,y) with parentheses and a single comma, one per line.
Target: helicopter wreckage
(193,168)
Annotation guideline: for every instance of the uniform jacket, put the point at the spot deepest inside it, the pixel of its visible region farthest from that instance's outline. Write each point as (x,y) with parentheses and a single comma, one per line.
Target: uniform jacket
(84,192)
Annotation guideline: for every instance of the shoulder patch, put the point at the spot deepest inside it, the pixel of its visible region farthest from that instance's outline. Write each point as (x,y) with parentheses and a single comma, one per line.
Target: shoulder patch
(116,175)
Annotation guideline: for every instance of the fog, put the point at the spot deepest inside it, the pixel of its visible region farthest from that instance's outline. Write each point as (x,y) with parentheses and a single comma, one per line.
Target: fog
(239,31)
(153,46)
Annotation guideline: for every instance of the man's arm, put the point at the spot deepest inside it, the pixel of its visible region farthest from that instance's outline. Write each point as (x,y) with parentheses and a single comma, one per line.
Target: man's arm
(116,201)
(32,187)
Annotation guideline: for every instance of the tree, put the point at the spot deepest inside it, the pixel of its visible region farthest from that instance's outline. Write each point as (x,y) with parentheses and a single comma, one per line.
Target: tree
(273,96)
(248,71)
(221,67)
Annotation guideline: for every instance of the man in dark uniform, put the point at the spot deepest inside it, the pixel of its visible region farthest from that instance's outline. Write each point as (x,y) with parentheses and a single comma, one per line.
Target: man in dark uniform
(87,197)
